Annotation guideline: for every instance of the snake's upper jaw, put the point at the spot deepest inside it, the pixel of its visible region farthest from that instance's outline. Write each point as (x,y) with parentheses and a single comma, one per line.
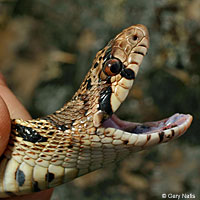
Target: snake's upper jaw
(149,133)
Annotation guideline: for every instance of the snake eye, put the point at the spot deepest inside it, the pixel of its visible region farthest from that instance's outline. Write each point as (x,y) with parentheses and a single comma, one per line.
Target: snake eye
(112,67)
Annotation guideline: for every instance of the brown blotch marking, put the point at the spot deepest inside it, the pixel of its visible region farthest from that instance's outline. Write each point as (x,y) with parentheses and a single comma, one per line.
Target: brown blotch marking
(30,152)
(148,137)
(46,150)
(134,62)
(161,135)
(40,145)
(21,150)
(49,177)
(16,154)
(54,142)
(51,146)
(26,158)
(34,148)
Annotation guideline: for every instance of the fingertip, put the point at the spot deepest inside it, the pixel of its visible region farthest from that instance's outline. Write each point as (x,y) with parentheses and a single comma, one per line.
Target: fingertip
(5,125)
(2,79)
(16,109)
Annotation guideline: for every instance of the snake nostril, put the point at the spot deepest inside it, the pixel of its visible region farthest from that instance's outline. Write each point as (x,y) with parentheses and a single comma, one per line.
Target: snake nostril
(135,37)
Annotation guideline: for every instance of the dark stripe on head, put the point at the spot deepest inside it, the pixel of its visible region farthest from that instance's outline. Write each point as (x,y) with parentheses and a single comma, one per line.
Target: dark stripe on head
(107,54)
(128,74)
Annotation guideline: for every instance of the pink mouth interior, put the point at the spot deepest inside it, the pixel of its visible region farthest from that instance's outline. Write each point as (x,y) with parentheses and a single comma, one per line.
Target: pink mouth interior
(147,127)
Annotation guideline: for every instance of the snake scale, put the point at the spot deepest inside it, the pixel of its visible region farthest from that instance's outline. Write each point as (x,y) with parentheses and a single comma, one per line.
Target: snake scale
(85,134)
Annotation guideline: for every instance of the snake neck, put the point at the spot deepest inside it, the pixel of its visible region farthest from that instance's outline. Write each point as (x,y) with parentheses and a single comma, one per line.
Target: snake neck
(78,114)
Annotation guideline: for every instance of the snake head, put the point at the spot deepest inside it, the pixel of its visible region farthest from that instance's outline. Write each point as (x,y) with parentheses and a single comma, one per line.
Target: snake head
(117,66)
(107,85)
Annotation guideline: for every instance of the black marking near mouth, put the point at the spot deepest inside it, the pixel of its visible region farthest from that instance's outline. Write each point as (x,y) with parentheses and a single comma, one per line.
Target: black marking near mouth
(128,74)
(104,101)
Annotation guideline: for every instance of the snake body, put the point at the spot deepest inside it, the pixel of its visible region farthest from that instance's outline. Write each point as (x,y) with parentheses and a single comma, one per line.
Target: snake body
(85,135)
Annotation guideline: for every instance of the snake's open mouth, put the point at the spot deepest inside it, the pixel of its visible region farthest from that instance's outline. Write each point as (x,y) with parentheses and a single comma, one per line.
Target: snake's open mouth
(175,120)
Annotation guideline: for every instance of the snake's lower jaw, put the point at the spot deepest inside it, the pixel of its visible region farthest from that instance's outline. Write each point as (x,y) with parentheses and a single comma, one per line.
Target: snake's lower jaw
(148,133)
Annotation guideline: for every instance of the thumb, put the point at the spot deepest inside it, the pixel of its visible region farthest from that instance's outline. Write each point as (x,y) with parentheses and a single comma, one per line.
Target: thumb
(4,125)
(10,107)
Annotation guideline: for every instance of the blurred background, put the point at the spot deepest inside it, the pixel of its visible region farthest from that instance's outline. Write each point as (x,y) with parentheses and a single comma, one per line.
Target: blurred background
(46,48)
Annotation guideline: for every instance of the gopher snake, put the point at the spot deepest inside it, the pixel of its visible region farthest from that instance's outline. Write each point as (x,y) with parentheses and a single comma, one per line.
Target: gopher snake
(85,135)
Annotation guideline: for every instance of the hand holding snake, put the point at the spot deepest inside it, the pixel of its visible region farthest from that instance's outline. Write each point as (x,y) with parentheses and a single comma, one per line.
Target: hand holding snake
(14,109)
